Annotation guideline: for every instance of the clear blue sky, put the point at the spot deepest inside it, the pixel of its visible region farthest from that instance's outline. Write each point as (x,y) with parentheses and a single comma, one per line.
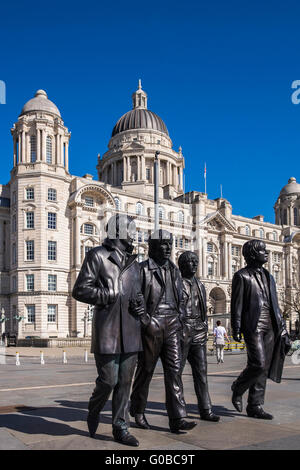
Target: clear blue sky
(218,73)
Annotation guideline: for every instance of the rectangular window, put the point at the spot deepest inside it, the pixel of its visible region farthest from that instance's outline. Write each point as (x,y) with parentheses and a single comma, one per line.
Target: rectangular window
(148,174)
(235,250)
(87,248)
(186,243)
(30,313)
(52,310)
(30,282)
(233,269)
(51,194)
(52,220)
(210,268)
(88,229)
(51,251)
(29,219)
(89,201)
(30,250)
(180,243)
(29,193)
(276,257)
(52,282)
(140,236)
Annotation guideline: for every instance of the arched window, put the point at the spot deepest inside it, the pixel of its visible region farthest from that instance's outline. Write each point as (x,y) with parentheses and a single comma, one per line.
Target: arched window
(33,148)
(247,230)
(139,208)
(295,215)
(181,217)
(118,203)
(261,233)
(48,149)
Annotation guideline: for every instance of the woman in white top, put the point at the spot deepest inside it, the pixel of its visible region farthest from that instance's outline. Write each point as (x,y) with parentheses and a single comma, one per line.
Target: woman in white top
(219,333)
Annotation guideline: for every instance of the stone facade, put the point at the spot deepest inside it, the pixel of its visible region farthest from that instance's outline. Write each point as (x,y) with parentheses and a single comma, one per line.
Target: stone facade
(50,218)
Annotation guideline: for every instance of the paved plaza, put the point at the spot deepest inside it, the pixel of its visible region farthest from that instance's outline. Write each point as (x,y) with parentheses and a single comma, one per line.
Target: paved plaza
(44,407)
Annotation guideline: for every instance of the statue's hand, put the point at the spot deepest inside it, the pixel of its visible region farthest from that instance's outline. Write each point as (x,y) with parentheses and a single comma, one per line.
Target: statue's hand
(136,305)
(237,336)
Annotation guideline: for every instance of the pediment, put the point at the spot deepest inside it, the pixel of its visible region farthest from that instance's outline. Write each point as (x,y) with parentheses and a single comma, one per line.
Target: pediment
(133,146)
(219,222)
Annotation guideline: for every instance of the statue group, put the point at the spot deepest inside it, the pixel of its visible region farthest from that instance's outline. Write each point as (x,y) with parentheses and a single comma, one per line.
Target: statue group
(154,310)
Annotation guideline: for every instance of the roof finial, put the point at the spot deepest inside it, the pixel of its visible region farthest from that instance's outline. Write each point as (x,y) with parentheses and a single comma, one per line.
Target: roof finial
(140,84)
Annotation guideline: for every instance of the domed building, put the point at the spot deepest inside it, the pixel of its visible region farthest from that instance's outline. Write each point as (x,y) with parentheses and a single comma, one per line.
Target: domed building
(50,219)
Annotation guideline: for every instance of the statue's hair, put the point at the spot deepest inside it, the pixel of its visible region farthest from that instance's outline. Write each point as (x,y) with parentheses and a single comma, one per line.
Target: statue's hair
(117,226)
(184,257)
(156,238)
(251,249)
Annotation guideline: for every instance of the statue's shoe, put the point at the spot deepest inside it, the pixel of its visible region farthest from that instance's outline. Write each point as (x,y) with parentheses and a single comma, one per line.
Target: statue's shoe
(123,436)
(236,399)
(258,412)
(92,422)
(180,424)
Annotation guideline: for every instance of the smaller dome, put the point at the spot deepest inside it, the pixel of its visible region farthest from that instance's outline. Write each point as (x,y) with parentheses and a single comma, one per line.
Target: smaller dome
(40,102)
(291,188)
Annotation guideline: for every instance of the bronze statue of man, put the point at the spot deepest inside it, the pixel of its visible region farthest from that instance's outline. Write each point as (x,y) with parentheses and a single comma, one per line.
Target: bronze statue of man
(195,335)
(110,280)
(256,314)
(161,331)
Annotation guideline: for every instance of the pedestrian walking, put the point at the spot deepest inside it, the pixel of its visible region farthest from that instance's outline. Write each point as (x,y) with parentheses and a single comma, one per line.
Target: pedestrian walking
(219,334)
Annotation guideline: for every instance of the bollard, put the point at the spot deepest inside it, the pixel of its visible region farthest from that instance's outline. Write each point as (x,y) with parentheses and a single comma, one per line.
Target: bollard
(42,358)
(64,357)
(86,356)
(17,359)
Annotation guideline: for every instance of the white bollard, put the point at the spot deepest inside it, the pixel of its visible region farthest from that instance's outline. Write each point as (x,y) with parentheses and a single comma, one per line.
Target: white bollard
(64,357)
(42,358)
(17,359)
(85,356)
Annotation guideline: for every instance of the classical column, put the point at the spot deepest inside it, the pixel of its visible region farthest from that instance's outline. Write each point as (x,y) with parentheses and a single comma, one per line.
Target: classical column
(38,145)
(62,150)
(181,178)
(128,168)
(27,148)
(167,172)
(43,145)
(15,150)
(225,265)
(174,168)
(229,260)
(23,147)
(138,167)
(143,168)
(77,241)
(124,169)
(58,149)
(203,258)
(67,156)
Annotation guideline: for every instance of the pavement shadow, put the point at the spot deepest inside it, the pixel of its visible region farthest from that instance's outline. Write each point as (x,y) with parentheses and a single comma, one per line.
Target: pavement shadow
(37,425)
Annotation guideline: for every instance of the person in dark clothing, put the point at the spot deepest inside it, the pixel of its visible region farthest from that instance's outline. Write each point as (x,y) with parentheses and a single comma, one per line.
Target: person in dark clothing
(196,328)
(255,313)
(161,331)
(110,280)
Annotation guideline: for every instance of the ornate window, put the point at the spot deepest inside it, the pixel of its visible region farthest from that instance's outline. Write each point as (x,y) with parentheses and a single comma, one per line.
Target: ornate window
(33,148)
(210,267)
(261,233)
(89,201)
(235,250)
(148,174)
(88,229)
(247,230)
(210,247)
(275,236)
(48,149)
(139,208)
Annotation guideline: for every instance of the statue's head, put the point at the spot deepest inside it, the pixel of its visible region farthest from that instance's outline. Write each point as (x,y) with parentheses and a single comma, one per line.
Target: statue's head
(255,253)
(160,245)
(121,227)
(188,263)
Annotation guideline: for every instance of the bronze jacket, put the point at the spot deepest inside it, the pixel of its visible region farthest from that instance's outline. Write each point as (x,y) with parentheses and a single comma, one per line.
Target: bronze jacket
(103,282)
(153,286)
(246,301)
